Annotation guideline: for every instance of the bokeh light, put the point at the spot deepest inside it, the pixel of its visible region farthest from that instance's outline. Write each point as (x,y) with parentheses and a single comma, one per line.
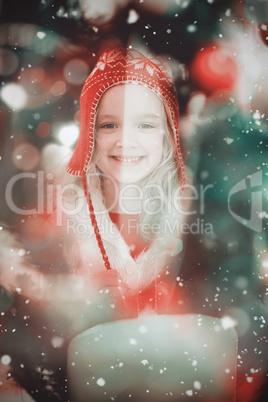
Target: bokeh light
(44,42)
(36,75)
(264,265)
(14,96)
(76,71)
(43,129)
(228,322)
(9,62)
(26,157)
(77,117)
(58,88)
(18,34)
(5,360)
(68,134)
(53,155)
(214,70)
(36,84)
(197,103)
(241,318)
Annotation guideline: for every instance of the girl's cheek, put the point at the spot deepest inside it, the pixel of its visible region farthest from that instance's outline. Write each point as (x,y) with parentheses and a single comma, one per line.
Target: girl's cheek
(152,137)
(156,140)
(102,141)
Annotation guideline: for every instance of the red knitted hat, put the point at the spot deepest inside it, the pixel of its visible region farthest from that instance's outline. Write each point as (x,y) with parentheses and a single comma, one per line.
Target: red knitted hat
(115,66)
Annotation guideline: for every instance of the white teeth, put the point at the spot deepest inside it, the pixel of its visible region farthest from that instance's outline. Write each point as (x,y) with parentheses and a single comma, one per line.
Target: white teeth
(138,158)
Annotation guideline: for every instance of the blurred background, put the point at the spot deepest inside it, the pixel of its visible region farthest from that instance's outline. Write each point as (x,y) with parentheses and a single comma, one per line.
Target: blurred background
(217,50)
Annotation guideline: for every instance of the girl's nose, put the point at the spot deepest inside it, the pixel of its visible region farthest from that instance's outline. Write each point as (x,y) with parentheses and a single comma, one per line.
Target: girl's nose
(127,138)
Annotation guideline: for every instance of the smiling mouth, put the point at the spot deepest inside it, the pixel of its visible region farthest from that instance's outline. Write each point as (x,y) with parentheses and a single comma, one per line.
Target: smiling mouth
(129,159)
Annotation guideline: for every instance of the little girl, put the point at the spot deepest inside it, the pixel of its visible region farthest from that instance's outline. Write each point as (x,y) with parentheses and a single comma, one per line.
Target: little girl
(129,158)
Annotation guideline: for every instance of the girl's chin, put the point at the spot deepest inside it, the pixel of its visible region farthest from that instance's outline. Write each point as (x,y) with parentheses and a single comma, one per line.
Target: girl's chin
(127,178)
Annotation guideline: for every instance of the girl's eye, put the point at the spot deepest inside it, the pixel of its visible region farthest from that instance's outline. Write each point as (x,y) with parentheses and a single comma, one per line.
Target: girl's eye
(108,126)
(146,126)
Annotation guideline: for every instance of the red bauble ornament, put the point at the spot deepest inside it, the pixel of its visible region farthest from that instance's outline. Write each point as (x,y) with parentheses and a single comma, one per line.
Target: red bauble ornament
(214,70)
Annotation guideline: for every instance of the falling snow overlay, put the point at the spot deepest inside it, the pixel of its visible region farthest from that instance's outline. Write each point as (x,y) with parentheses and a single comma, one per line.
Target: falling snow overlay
(201,333)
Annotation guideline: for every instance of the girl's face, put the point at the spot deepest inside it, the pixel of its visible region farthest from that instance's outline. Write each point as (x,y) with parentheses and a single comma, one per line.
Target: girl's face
(129,133)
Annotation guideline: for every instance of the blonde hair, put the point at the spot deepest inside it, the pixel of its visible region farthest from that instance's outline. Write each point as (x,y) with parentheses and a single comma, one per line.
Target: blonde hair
(165,177)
